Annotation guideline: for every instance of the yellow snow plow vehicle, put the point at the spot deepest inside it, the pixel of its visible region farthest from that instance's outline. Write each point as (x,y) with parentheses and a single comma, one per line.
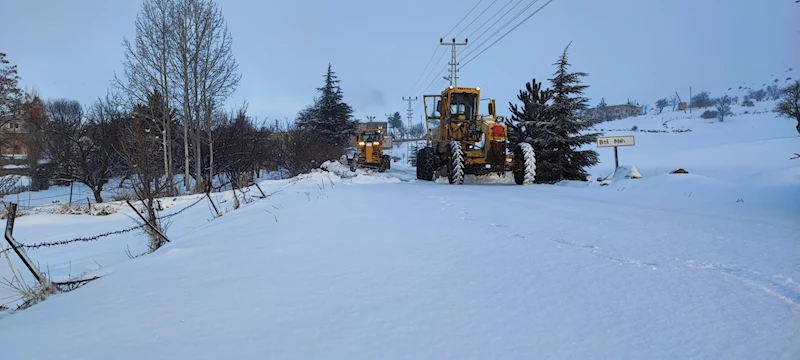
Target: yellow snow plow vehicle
(461,142)
(370,151)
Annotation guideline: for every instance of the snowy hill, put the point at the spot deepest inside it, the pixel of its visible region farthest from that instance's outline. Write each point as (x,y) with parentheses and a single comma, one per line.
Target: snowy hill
(341,265)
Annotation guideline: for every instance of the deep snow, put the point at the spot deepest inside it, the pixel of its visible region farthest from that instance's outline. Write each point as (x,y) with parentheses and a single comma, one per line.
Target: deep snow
(366,265)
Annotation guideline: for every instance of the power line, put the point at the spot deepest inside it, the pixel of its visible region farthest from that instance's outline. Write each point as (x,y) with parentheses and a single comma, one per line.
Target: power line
(425,69)
(433,68)
(462,19)
(489,19)
(438,77)
(505,25)
(472,50)
(476,18)
(504,35)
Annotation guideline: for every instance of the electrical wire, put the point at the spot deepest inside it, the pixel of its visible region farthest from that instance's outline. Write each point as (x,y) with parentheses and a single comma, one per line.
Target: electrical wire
(471,49)
(504,35)
(463,18)
(476,18)
(501,28)
(433,69)
(489,19)
(425,69)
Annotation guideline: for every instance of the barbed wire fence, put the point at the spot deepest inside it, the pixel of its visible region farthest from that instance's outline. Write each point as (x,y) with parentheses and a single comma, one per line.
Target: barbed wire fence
(69,285)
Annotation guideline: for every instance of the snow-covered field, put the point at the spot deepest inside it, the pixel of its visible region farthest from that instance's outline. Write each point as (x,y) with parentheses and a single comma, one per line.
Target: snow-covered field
(342,265)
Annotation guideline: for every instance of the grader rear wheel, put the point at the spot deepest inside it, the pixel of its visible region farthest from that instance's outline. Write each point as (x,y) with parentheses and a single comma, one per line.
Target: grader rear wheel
(524,164)
(425,164)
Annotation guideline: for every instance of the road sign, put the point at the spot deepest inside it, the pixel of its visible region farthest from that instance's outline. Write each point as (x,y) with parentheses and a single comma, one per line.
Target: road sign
(614,141)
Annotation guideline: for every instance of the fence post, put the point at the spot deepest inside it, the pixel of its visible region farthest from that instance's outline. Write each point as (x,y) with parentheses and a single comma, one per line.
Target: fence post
(147,222)
(12,214)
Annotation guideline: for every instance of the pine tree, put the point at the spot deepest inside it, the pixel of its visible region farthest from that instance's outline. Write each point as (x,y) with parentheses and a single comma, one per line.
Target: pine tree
(527,124)
(567,130)
(330,119)
(396,122)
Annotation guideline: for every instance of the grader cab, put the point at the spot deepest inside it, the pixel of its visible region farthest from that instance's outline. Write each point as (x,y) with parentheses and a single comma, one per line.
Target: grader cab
(462,142)
(370,151)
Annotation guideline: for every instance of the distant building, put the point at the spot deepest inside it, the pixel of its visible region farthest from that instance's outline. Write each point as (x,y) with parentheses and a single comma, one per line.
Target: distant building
(13,133)
(612,112)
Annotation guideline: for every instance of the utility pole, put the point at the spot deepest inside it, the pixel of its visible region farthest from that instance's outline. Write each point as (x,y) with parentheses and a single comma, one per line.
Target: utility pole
(370,118)
(453,78)
(410,111)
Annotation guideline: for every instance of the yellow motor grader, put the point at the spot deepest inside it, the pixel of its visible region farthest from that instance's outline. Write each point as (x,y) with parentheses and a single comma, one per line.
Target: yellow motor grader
(370,151)
(461,142)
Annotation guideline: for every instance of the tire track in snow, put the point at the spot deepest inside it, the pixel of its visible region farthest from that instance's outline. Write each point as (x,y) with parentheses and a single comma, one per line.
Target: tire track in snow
(778,286)
(593,249)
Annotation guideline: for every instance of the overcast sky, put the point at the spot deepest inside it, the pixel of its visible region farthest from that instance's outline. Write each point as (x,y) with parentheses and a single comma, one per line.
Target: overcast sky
(638,49)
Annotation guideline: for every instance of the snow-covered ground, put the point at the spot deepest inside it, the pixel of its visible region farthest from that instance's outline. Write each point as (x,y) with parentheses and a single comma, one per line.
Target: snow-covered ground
(342,265)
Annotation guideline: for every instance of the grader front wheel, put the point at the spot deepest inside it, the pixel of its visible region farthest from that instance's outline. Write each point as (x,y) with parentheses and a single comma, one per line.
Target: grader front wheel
(455,163)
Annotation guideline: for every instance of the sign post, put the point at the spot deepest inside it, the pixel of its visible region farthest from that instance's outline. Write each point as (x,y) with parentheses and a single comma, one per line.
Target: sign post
(615,141)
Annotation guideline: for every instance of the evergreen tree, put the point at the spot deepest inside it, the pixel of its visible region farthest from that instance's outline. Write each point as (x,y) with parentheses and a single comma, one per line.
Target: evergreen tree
(330,119)
(602,103)
(527,123)
(567,130)
(396,122)
(550,121)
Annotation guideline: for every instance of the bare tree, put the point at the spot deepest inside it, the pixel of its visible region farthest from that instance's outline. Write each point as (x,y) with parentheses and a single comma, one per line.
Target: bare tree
(241,146)
(758,96)
(789,106)
(218,74)
(147,65)
(723,107)
(207,69)
(673,101)
(661,104)
(81,150)
(136,149)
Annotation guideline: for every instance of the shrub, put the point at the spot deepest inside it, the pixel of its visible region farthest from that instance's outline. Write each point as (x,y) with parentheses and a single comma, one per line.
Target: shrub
(709,114)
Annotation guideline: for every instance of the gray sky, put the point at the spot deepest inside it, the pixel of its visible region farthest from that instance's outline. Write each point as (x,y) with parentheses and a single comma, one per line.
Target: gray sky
(638,49)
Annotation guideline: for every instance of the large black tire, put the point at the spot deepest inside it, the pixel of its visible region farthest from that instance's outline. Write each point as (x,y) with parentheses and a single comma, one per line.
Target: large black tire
(425,164)
(455,163)
(524,164)
(386,163)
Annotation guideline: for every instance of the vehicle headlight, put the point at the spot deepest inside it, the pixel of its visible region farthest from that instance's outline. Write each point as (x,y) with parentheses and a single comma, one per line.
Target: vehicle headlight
(375,143)
(361,143)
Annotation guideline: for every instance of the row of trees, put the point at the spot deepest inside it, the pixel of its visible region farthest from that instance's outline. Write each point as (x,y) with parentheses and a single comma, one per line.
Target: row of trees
(182,53)
(164,115)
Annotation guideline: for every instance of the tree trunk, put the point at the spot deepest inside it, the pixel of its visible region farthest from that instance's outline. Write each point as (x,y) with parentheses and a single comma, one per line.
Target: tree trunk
(97,192)
(187,121)
(198,134)
(155,240)
(798,126)
(210,155)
